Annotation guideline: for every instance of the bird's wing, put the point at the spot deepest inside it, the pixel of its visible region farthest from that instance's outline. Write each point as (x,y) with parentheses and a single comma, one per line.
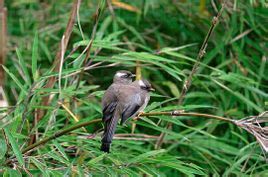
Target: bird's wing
(131,106)
(109,130)
(109,103)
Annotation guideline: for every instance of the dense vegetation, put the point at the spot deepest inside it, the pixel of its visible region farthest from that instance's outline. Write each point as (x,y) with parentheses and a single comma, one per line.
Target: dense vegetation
(160,38)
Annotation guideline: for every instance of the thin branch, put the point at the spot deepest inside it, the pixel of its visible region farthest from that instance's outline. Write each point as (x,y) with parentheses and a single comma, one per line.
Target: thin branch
(188,81)
(177,113)
(246,123)
(55,135)
(134,137)
(201,54)
(79,125)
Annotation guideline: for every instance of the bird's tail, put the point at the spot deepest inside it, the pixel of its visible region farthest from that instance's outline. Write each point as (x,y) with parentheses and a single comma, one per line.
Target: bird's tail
(109,130)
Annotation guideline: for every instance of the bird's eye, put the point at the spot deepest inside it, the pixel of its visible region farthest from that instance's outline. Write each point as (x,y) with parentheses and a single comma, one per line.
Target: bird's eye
(143,87)
(126,75)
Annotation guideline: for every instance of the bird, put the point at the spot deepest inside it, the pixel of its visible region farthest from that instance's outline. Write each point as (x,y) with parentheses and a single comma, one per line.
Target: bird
(131,100)
(109,99)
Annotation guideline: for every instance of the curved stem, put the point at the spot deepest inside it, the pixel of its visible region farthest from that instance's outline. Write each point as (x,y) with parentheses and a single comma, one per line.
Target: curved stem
(83,124)
(195,114)
(58,134)
(77,126)
(54,136)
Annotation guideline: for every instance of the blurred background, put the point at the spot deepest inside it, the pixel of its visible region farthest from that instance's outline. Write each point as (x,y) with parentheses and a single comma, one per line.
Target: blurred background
(157,39)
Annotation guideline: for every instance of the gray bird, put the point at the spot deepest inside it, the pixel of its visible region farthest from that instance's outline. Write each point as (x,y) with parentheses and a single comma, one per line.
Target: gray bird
(131,99)
(109,99)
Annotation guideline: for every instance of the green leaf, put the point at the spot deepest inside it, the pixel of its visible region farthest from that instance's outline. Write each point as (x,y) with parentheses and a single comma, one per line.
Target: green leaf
(61,149)
(240,96)
(42,167)
(11,173)
(96,160)
(173,88)
(3,148)
(15,80)
(141,157)
(23,67)
(15,146)
(35,57)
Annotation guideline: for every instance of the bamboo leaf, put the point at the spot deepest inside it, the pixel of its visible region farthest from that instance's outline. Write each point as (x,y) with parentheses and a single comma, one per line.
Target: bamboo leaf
(15,146)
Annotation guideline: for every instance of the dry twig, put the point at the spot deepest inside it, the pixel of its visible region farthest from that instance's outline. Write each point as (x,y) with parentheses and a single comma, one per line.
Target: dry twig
(79,125)
(253,125)
(250,124)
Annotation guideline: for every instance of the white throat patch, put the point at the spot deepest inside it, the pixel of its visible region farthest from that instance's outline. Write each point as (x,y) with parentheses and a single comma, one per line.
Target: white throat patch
(141,83)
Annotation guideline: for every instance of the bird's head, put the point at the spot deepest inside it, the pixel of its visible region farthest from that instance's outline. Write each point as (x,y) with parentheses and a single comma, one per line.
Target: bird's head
(145,85)
(123,77)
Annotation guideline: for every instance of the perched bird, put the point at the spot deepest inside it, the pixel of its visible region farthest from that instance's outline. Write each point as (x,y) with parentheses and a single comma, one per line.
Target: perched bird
(131,99)
(109,99)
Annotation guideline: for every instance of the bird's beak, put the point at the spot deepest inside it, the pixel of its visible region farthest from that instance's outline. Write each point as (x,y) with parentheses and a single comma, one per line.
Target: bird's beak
(133,75)
(152,89)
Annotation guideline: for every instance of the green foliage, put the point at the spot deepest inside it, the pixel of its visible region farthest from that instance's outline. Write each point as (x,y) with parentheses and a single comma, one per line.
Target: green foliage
(165,37)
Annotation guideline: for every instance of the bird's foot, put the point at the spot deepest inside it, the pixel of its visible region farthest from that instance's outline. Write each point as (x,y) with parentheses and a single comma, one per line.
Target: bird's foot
(140,113)
(138,116)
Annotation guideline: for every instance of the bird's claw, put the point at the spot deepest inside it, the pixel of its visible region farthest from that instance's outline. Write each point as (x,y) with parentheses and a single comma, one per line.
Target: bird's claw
(138,116)
(140,113)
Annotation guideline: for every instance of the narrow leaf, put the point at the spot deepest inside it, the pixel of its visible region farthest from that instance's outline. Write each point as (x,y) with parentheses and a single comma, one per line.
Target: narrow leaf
(14,146)
(34,57)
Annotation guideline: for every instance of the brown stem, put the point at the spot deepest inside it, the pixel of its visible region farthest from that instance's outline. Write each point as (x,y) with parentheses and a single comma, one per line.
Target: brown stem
(79,125)
(55,135)
(188,81)
(195,114)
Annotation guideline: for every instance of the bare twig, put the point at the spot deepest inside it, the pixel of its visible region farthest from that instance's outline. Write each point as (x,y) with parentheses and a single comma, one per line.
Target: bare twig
(188,81)
(253,125)
(241,36)
(54,136)
(250,124)
(79,125)
(177,113)
(134,137)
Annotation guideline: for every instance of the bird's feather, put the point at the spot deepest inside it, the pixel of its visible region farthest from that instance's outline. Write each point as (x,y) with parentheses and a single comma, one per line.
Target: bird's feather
(128,112)
(109,130)
(108,111)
